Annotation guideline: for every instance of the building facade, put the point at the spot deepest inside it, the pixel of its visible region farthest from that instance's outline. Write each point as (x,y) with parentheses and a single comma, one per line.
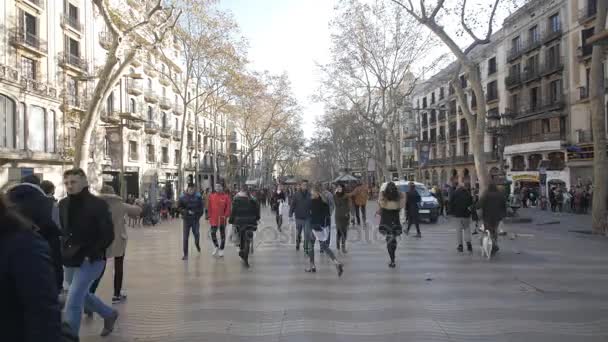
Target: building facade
(44,90)
(535,71)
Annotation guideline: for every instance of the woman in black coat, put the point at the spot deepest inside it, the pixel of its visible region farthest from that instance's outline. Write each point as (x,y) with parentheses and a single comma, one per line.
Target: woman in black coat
(391,203)
(29,309)
(320,219)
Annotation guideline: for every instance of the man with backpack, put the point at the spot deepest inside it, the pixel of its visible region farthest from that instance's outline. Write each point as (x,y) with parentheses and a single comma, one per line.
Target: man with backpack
(245,215)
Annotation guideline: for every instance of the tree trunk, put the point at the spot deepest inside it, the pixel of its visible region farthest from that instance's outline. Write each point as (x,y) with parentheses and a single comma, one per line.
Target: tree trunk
(180,166)
(598,119)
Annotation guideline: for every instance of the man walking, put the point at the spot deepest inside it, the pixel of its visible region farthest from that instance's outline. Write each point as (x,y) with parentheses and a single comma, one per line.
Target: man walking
(493,209)
(360,197)
(332,206)
(245,215)
(461,203)
(88,230)
(218,212)
(300,207)
(412,204)
(191,206)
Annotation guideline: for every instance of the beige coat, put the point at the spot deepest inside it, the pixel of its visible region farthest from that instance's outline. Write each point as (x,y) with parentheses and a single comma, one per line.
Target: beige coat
(119,210)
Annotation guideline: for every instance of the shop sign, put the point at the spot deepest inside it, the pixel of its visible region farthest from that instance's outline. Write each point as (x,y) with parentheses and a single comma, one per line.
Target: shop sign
(525,177)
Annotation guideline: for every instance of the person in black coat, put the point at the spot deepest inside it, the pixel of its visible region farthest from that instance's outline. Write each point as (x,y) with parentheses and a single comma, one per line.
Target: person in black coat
(320,220)
(412,205)
(390,203)
(29,305)
(245,215)
(461,203)
(493,209)
(33,203)
(276,199)
(88,231)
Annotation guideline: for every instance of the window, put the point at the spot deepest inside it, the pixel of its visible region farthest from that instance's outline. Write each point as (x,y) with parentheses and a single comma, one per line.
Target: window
(519,163)
(73,12)
(29,26)
(552,56)
(176,155)
(534,98)
(35,125)
(132,106)
(165,154)
(28,68)
(534,34)
(532,65)
(150,155)
(150,114)
(555,91)
(463,82)
(164,121)
(514,102)
(586,48)
(424,102)
(492,66)
(133,151)
(453,150)
(492,91)
(554,23)
(72,47)
(72,88)
(516,44)
(7,122)
(189,138)
(106,147)
(110,103)
(441,93)
(465,148)
(473,100)
(432,97)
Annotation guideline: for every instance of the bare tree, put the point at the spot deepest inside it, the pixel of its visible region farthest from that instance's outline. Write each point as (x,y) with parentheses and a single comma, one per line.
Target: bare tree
(130,34)
(430,14)
(598,119)
(374,50)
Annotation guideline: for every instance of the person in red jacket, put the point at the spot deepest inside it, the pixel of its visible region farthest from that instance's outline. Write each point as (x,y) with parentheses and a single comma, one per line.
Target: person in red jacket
(218,211)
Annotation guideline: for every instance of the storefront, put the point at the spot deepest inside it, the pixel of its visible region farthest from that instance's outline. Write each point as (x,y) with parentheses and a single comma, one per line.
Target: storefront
(538,181)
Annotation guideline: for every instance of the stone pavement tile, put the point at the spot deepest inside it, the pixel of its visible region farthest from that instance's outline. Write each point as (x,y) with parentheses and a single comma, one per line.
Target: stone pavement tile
(407,337)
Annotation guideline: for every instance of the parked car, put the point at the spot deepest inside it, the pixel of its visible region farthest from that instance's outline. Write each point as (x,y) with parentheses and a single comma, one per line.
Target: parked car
(429,207)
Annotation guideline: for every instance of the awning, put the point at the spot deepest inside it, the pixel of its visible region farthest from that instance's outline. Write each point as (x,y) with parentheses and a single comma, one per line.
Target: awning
(150,177)
(346,178)
(252,182)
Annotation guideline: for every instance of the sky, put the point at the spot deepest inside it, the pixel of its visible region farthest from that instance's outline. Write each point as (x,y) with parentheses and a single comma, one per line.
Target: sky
(288,36)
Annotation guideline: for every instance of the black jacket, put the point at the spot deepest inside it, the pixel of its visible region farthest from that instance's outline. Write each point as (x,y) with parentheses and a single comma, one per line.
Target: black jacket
(192,206)
(87,227)
(460,203)
(493,206)
(412,202)
(300,205)
(275,199)
(245,212)
(342,208)
(319,213)
(29,309)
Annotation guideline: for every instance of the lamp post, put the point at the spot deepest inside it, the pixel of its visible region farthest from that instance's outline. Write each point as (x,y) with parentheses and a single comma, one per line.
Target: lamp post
(500,126)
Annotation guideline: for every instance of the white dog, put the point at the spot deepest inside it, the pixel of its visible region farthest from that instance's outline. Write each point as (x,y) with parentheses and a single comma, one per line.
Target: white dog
(486,243)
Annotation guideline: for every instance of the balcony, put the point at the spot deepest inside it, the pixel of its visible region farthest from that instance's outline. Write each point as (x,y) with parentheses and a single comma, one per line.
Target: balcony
(38,88)
(150,96)
(37,3)
(466,159)
(71,22)
(532,44)
(150,71)
(165,103)
(232,138)
(425,124)
(553,136)
(587,14)
(514,53)
(166,132)
(164,80)
(132,116)
(452,133)
(531,75)
(9,74)
(513,80)
(177,135)
(491,97)
(135,87)
(463,133)
(74,62)
(552,67)
(135,125)
(151,127)
(75,104)
(105,40)
(584,52)
(29,41)
(109,117)
(178,109)
(552,34)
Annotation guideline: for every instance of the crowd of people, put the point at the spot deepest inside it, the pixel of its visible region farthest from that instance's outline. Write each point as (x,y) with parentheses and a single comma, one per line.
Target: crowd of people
(54,253)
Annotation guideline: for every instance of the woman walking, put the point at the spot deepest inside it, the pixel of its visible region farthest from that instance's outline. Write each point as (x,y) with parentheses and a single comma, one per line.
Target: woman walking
(342,203)
(391,203)
(320,221)
(277,205)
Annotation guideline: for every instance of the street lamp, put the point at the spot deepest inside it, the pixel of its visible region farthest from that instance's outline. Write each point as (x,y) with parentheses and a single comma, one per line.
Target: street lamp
(500,126)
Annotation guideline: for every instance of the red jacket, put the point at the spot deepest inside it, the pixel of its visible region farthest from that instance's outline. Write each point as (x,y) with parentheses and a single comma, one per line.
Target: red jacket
(219,208)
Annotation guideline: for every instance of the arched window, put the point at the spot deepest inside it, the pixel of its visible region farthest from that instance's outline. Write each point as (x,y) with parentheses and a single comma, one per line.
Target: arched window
(150,113)
(35,125)
(7,122)
(133,106)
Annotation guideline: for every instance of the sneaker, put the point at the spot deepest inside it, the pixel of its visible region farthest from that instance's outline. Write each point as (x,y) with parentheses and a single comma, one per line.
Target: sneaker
(419,235)
(108,324)
(185,257)
(221,253)
(495,250)
(215,250)
(469,247)
(460,249)
(340,269)
(198,247)
(118,299)
(392,264)
(297,247)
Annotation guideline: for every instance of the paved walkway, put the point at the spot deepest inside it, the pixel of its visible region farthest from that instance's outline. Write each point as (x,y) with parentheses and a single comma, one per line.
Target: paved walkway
(542,287)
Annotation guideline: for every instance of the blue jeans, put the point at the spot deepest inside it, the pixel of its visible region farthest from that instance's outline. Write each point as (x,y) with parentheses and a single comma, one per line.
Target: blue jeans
(79,280)
(303,225)
(194,225)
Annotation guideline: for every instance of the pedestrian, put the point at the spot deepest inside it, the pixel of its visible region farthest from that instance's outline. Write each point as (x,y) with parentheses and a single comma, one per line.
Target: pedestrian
(320,219)
(300,208)
(206,195)
(437,193)
(559,199)
(360,197)
(412,204)
(191,206)
(461,204)
(342,217)
(88,229)
(493,210)
(390,203)
(219,205)
(30,310)
(117,250)
(332,206)
(35,205)
(277,202)
(244,216)
(552,199)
